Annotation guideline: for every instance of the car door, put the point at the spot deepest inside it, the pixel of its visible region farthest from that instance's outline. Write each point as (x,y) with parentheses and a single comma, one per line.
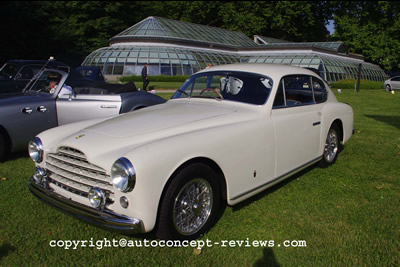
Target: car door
(297,122)
(395,82)
(24,116)
(81,106)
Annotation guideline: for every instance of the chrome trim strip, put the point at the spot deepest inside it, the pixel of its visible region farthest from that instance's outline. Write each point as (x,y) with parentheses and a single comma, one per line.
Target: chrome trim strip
(103,219)
(278,179)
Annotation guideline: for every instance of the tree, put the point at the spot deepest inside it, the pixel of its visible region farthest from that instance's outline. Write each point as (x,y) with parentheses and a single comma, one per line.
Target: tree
(370,28)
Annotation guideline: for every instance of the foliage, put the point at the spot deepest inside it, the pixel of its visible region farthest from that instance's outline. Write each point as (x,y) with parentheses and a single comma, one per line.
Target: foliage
(70,30)
(292,21)
(370,28)
(160,78)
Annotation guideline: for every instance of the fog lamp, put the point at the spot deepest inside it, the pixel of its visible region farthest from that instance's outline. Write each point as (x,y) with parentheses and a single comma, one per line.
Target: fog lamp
(97,197)
(38,175)
(124,202)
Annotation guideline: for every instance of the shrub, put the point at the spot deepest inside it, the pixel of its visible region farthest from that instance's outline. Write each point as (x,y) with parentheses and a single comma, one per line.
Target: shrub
(158,78)
(351,84)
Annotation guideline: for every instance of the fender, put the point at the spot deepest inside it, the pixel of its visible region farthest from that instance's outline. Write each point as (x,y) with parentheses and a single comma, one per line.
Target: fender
(137,100)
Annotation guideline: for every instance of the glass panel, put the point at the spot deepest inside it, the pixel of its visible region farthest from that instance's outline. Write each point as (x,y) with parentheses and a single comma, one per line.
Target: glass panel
(298,90)
(118,69)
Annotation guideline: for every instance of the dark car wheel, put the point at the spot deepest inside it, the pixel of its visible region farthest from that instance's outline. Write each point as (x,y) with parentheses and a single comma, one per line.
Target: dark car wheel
(388,88)
(190,204)
(331,149)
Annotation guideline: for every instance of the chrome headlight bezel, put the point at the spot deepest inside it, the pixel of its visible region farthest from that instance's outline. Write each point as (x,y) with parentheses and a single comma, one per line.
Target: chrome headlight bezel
(123,175)
(97,198)
(35,149)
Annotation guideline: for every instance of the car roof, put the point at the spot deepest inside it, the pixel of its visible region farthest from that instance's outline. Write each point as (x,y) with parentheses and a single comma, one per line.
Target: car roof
(38,61)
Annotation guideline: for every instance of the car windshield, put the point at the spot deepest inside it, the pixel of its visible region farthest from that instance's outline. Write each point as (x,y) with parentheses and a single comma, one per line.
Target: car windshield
(236,86)
(47,82)
(8,70)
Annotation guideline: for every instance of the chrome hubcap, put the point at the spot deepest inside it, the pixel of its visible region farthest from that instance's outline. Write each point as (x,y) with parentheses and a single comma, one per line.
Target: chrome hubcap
(331,146)
(192,206)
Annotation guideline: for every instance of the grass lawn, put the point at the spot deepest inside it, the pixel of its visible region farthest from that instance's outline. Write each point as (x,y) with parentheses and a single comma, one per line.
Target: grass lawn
(348,214)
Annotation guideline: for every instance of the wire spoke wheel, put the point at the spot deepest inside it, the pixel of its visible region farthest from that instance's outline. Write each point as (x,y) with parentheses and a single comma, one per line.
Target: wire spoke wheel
(331,146)
(193,206)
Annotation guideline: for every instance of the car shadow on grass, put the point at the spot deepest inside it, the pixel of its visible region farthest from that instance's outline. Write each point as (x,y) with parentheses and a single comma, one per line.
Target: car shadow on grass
(6,249)
(390,120)
(272,189)
(15,155)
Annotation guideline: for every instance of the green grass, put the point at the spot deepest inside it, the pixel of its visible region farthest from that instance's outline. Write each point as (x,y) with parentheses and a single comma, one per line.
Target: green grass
(348,214)
(351,84)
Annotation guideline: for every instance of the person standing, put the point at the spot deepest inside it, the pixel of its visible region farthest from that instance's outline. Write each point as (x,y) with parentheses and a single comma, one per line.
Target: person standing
(144,77)
(209,78)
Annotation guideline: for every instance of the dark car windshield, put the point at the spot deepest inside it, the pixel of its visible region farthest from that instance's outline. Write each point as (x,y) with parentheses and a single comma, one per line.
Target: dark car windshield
(8,70)
(47,82)
(237,86)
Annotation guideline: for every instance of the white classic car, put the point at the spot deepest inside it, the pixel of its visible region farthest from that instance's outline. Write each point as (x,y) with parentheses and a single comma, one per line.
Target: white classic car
(227,133)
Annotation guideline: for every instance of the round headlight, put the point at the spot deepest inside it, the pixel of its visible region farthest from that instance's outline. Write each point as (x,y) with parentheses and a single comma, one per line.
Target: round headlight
(35,149)
(97,197)
(123,175)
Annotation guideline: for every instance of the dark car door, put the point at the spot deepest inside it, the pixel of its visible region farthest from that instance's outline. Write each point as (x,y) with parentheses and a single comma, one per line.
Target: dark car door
(25,116)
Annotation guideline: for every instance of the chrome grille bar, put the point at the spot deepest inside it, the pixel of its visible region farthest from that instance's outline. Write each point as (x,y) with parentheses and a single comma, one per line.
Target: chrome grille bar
(70,168)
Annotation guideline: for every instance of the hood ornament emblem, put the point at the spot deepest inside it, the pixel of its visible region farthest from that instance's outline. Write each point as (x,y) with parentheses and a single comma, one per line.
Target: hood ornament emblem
(79,136)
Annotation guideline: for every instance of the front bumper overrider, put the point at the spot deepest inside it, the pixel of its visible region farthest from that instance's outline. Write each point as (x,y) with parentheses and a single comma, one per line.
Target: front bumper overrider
(103,219)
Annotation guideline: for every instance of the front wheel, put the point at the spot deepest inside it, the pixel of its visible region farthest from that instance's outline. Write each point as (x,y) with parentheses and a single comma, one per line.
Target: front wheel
(388,88)
(190,204)
(331,149)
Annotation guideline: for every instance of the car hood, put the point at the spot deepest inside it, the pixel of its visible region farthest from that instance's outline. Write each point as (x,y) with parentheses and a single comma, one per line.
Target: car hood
(160,118)
(114,137)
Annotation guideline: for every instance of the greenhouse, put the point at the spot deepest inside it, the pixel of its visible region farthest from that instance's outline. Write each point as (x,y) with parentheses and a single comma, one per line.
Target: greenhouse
(180,48)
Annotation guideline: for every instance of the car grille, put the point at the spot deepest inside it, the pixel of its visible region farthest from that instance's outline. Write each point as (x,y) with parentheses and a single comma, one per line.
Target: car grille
(70,170)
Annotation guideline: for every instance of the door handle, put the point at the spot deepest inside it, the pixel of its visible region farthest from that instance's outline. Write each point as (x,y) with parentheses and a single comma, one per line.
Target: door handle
(316,123)
(41,109)
(108,106)
(27,110)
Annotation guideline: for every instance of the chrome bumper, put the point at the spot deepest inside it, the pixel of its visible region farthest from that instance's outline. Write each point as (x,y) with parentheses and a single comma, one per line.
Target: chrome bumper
(103,219)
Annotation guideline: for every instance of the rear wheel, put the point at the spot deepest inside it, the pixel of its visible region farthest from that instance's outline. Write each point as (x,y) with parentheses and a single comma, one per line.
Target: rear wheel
(190,204)
(331,149)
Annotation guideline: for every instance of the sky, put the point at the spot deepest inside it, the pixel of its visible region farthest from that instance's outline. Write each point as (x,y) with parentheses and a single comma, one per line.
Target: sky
(330,27)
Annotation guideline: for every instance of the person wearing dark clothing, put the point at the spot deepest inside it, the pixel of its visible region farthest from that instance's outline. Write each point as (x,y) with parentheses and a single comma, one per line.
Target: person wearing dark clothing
(144,77)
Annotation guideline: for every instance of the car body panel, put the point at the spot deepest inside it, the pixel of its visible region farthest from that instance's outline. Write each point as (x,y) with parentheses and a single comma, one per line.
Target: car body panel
(253,146)
(73,108)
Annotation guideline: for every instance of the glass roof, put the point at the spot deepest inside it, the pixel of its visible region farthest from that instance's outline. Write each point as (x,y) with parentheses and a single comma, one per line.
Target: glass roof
(167,28)
(271,42)
(127,60)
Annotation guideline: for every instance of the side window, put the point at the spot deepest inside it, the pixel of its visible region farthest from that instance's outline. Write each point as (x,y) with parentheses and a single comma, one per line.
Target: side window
(396,79)
(298,90)
(279,98)
(320,93)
